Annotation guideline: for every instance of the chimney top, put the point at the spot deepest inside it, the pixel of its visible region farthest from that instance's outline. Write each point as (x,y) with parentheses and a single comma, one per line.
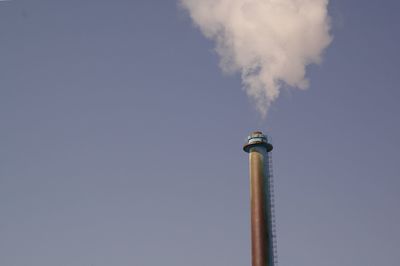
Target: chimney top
(257,138)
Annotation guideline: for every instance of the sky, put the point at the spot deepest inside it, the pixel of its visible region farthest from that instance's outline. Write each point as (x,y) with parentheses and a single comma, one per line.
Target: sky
(121,141)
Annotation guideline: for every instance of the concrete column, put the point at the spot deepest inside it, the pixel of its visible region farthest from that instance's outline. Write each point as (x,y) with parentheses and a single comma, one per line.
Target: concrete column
(261,251)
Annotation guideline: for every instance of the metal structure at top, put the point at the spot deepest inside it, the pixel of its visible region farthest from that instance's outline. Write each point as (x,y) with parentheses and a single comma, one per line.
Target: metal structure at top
(257,138)
(263,234)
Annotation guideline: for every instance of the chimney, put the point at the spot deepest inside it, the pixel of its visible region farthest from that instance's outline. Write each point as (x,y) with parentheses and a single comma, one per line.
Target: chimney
(263,248)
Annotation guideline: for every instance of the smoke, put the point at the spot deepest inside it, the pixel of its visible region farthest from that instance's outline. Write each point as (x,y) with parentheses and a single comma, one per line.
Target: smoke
(270,42)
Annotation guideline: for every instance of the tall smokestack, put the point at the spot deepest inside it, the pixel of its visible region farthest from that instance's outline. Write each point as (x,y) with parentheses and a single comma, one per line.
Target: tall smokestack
(261,194)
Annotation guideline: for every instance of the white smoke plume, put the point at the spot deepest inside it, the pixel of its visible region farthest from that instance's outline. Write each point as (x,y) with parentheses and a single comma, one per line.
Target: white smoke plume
(269,41)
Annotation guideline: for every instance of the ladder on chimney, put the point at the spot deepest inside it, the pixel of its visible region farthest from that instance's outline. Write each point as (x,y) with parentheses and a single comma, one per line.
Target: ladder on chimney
(271,211)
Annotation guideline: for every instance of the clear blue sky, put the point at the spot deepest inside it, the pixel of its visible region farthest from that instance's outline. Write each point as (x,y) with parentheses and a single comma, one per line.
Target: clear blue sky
(120,141)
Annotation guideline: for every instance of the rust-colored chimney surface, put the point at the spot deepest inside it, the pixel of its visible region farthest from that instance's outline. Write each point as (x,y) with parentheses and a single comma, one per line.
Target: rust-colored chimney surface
(261,239)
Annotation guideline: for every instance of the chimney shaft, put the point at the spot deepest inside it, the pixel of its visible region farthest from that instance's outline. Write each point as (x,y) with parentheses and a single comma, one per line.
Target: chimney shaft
(261,231)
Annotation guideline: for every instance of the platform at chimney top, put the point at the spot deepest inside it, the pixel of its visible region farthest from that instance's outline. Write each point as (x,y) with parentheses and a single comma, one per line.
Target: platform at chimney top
(257,138)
